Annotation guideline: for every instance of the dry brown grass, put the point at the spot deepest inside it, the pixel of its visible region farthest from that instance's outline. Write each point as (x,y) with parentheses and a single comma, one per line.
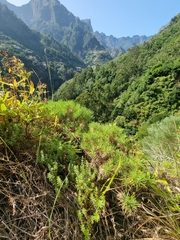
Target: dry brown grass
(26,200)
(27,197)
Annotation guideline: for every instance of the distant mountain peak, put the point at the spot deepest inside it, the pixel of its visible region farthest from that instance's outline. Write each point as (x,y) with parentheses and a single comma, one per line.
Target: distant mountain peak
(88,22)
(19,40)
(52,18)
(123,42)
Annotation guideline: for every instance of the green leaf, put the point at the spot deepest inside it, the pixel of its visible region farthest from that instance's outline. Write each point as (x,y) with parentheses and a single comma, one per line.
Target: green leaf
(3,107)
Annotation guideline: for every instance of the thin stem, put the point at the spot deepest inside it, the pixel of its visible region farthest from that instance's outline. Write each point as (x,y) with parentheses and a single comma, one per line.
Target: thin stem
(49,72)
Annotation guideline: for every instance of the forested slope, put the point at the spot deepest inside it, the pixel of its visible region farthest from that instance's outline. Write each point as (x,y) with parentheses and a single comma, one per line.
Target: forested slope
(141,86)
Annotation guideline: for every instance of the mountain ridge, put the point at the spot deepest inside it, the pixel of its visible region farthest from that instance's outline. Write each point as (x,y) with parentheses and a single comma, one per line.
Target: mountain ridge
(114,45)
(29,45)
(52,18)
(122,42)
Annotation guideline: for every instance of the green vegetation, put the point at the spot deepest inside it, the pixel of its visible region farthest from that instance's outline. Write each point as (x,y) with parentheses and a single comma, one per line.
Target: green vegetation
(64,175)
(102,160)
(135,90)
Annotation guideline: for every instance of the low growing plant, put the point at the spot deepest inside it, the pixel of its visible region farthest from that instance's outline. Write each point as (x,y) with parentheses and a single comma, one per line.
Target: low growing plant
(90,199)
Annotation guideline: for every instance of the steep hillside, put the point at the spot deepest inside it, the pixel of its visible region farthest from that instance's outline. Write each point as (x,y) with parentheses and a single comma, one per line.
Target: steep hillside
(29,45)
(140,87)
(52,18)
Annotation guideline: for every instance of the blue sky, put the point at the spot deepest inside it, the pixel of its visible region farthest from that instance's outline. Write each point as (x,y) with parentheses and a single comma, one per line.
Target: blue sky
(122,18)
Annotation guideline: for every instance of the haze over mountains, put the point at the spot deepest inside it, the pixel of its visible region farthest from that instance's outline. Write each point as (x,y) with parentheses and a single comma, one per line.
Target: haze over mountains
(124,42)
(29,46)
(70,43)
(52,18)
